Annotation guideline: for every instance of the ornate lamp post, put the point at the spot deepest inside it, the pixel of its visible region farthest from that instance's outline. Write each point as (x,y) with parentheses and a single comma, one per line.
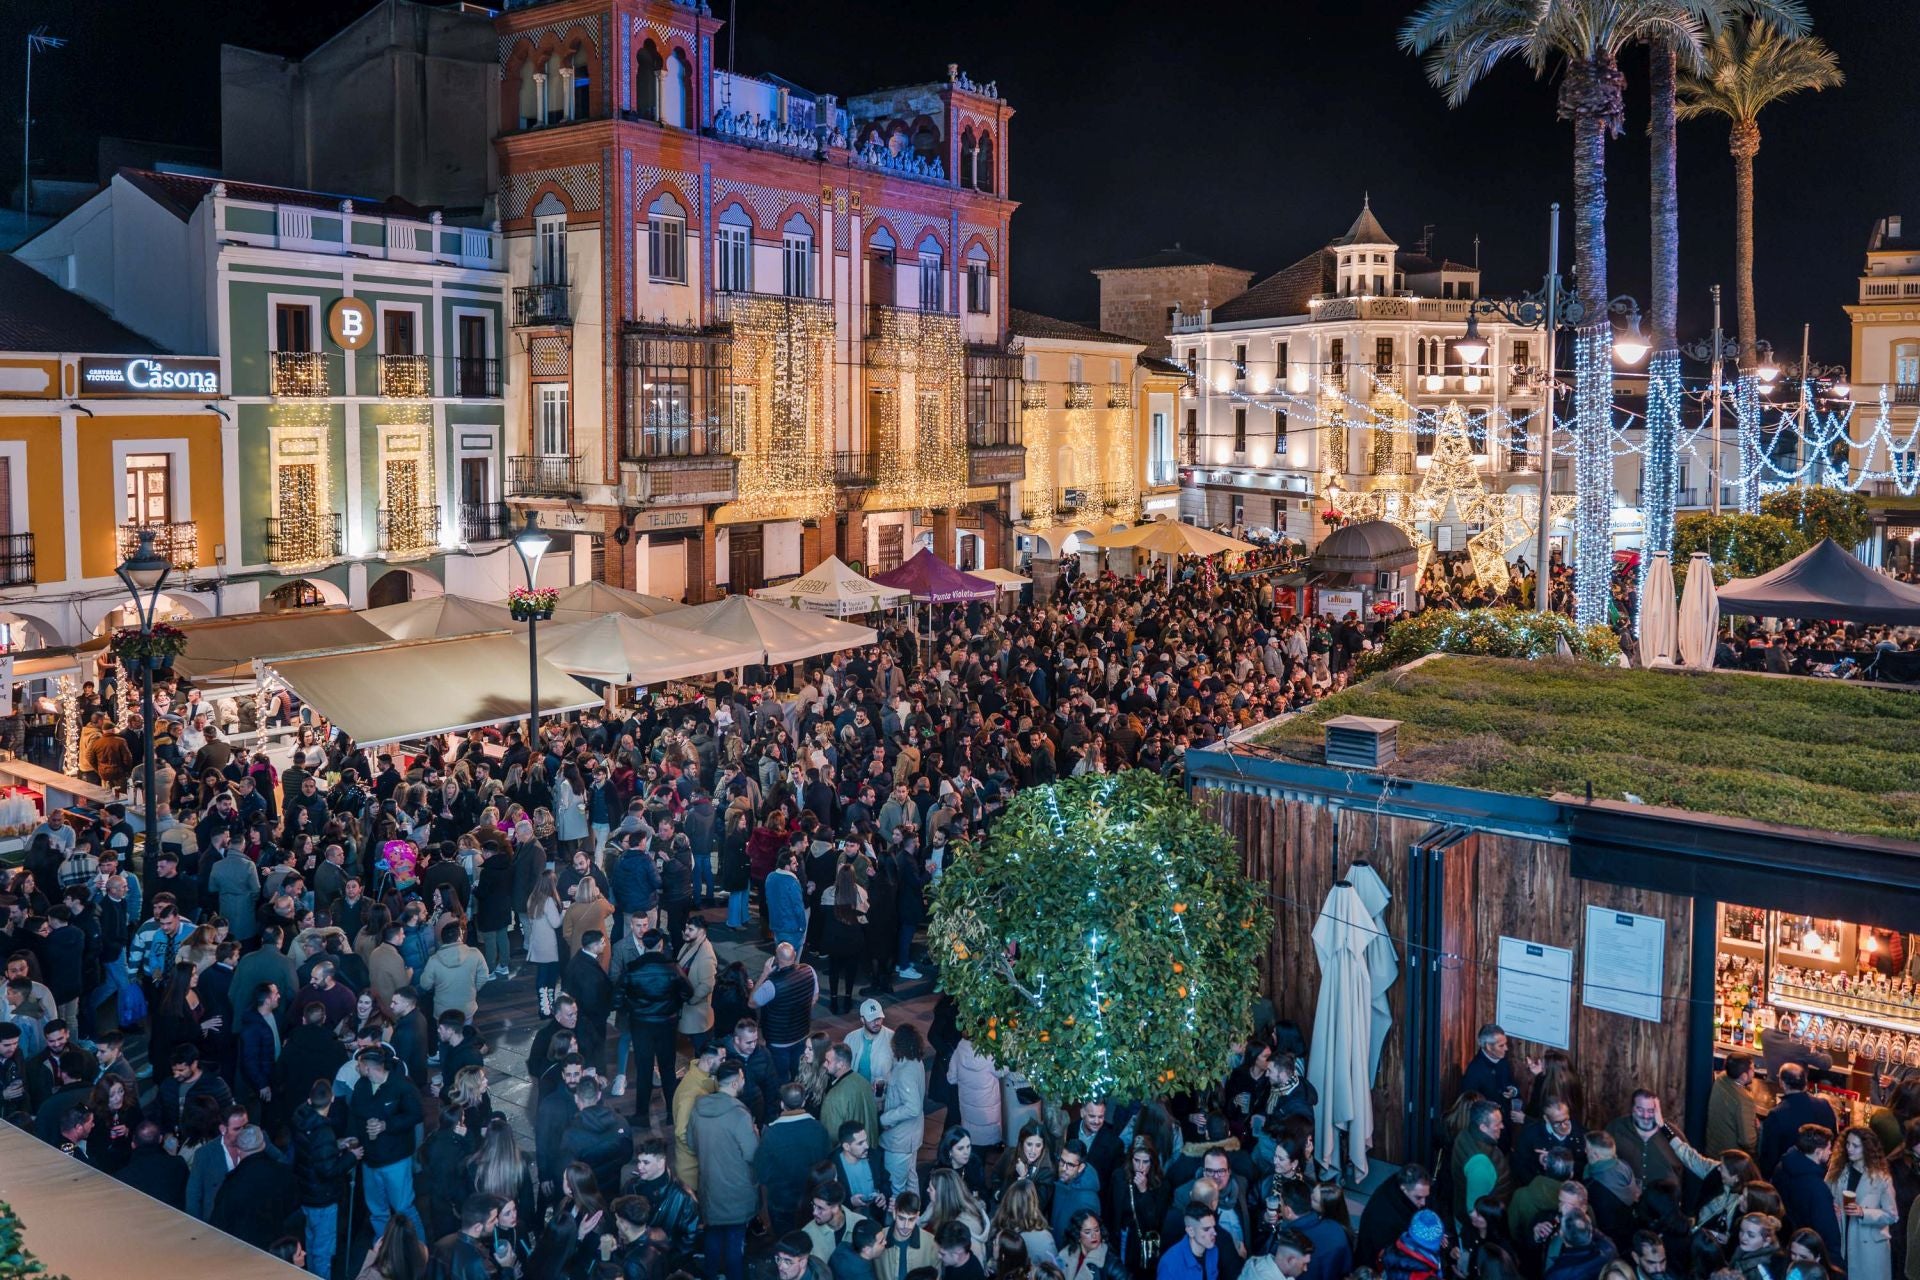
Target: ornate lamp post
(530,543)
(144,573)
(1551,308)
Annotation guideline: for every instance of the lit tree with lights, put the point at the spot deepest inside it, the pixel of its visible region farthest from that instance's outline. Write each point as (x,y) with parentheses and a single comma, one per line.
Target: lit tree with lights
(1103,941)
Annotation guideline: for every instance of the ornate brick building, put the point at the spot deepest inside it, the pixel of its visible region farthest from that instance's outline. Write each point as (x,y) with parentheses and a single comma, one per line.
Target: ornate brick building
(754,326)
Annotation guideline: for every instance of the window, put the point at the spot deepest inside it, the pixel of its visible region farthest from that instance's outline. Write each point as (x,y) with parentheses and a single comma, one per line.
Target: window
(1076,369)
(1160,468)
(149,488)
(979,292)
(1240,361)
(1193,361)
(1239,430)
(1279,434)
(293,326)
(396,336)
(796,258)
(1193,436)
(1033,369)
(1280,363)
(553,425)
(667,241)
(647,66)
(550,249)
(1383,356)
(933,280)
(1906,364)
(733,252)
(1522,354)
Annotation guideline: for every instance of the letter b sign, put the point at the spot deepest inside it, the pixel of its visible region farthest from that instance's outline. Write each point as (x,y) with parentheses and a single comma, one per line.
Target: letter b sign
(350,323)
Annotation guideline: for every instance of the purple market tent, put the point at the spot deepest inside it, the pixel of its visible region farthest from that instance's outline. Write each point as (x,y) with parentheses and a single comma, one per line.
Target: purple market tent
(1826,582)
(931,580)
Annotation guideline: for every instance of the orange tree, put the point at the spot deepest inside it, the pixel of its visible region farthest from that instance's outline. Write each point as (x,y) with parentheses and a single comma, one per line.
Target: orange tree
(1103,940)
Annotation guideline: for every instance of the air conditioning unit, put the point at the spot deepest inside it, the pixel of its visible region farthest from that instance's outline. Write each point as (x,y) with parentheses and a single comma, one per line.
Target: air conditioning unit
(1361,742)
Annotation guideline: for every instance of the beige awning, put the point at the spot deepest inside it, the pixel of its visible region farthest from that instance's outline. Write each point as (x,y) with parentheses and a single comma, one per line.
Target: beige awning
(592,599)
(780,633)
(833,587)
(86,1224)
(226,647)
(440,616)
(412,688)
(623,650)
(1005,579)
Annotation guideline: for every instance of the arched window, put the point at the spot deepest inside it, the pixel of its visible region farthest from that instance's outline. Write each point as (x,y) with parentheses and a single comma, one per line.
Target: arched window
(582,93)
(926,141)
(983,170)
(667,241)
(529,112)
(647,66)
(676,93)
(559,88)
(969,148)
(979,292)
(933,277)
(733,251)
(881,289)
(796,258)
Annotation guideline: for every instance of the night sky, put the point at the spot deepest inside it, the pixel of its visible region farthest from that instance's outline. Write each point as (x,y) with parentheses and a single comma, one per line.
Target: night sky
(1244,131)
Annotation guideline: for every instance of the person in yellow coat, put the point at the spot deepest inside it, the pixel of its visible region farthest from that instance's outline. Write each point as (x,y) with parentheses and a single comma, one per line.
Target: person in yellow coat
(695,1084)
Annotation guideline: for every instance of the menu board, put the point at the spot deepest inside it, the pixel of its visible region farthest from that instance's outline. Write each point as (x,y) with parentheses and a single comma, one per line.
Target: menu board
(1626,962)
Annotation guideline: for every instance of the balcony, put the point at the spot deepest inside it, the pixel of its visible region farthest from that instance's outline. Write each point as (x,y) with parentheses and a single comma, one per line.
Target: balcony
(340,231)
(409,530)
(1119,395)
(308,538)
(470,378)
(485,522)
(1905,393)
(854,468)
(667,443)
(543,476)
(1082,499)
(999,462)
(1888,288)
(301,374)
(16,560)
(541,304)
(177,541)
(406,377)
(691,481)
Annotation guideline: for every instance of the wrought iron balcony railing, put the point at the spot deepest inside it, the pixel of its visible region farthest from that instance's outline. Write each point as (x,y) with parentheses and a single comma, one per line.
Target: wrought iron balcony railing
(471,378)
(177,540)
(541,304)
(409,529)
(406,377)
(16,560)
(303,374)
(307,538)
(543,476)
(485,521)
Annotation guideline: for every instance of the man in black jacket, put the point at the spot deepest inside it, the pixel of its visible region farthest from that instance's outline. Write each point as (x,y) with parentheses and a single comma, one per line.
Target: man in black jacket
(154,1169)
(595,1136)
(594,992)
(412,1037)
(385,1112)
(1389,1212)
(321,1165)
(258,1196)
(652,991)
(465,1255)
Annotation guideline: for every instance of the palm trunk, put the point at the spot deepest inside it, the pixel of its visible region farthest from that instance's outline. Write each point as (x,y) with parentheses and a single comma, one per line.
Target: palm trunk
(1744,143)
(1663,372)
(1591,96)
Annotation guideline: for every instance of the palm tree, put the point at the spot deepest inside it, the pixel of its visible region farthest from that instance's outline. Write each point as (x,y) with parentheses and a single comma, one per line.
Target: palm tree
(1463,41)
(1663,307)
(1749,66)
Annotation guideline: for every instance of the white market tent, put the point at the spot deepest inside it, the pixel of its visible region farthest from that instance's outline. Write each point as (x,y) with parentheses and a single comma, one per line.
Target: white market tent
(834,588)
(1005,579)
(774,632)
(83,1223)
(415,688)
(226,648)
(585,600)
(437,617)
(639,651)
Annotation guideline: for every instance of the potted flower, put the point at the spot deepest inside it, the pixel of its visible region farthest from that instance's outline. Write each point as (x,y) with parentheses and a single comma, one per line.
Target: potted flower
(153,649)
(532,604)
(1332,518)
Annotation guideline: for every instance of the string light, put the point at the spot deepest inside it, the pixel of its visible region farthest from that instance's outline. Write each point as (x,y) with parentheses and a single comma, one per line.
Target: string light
(782,348)
(1592,474)
(1662,472)
(1746,412)
(1082,471)
(1037,490)
(68,690)
(922,354)
(303,532)
(1120,488)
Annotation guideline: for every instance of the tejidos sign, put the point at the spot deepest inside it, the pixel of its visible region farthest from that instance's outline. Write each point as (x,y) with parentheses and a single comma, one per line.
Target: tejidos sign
(149,376)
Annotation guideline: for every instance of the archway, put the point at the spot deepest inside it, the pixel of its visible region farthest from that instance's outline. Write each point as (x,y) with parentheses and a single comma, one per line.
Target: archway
(19,633)
(303,593)
(397,586)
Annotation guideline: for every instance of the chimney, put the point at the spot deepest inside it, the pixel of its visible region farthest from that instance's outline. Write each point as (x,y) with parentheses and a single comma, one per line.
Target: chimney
(1893,226)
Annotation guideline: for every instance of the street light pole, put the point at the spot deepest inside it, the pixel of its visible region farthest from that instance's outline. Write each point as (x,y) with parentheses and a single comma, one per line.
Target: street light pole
(144,573)
(1542,580)
(36,39)
(1716,350)
(530,543)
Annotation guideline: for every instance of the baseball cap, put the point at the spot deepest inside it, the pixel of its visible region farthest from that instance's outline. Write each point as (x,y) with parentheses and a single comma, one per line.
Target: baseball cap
(870,1011)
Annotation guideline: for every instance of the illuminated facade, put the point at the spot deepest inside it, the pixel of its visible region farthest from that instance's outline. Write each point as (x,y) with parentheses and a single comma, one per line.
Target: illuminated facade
(754,326)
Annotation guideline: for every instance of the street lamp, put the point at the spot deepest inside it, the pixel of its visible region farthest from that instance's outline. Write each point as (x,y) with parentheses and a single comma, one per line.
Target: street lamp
(1715,349)
(530,543)
(144,573)
(1552,308)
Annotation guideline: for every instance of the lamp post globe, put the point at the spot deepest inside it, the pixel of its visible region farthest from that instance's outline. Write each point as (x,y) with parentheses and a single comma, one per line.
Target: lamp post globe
(530,543)
(144,574)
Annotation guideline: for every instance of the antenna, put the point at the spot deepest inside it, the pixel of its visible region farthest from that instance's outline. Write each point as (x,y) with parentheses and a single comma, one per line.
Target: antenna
(36,39)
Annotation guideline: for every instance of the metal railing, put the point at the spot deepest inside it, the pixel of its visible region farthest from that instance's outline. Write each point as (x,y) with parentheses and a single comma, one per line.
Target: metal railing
(995,435)
(1091,497)
(301,373)
(1906,393)
(303,539)
(543,476)
(537,304)
(471,378)
(16,560)
(406,377)
(405,529)
(485,521)
(642,444)
(178,541)
(853,467)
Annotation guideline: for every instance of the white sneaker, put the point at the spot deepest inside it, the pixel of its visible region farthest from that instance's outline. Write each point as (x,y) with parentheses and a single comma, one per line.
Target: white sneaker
(619,1086)
(500,971)
(908,972)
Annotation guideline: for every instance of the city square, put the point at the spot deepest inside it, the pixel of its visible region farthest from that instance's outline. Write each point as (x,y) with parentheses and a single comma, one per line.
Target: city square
(618,666)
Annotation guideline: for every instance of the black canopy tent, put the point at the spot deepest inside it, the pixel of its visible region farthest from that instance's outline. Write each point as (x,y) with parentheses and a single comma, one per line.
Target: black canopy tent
(1826,582)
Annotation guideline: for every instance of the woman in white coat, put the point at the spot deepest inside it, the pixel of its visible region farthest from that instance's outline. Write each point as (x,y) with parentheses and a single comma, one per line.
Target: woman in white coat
(570,809)
(542,924)
(1863,1200)
(976,1080)
(903,1115)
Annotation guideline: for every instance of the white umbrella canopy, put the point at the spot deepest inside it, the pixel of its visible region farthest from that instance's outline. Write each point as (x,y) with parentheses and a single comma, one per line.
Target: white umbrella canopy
(1659,614)
(774,632)
(585,600)
(436,617)
(1341,1067)
(1006,579)
(834,588)
(1699,615)
(639,651)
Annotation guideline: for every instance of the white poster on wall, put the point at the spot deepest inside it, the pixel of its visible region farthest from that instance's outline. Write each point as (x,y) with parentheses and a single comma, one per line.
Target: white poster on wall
(1626,963)
(1534,999)
(1338,604)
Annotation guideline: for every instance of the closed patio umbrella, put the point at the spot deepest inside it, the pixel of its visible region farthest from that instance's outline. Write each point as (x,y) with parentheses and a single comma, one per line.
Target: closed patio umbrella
(1699,615)
(1340,1067)
(1659,614)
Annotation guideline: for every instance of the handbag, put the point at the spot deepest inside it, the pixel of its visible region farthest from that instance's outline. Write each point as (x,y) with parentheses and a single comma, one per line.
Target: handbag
(131,1006)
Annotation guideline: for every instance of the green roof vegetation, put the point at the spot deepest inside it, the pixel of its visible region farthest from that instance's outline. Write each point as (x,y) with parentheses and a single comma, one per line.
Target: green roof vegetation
(1823,754)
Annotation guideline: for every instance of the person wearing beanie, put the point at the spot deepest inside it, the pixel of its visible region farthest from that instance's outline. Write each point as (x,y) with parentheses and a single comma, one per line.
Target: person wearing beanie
(1417,1254)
